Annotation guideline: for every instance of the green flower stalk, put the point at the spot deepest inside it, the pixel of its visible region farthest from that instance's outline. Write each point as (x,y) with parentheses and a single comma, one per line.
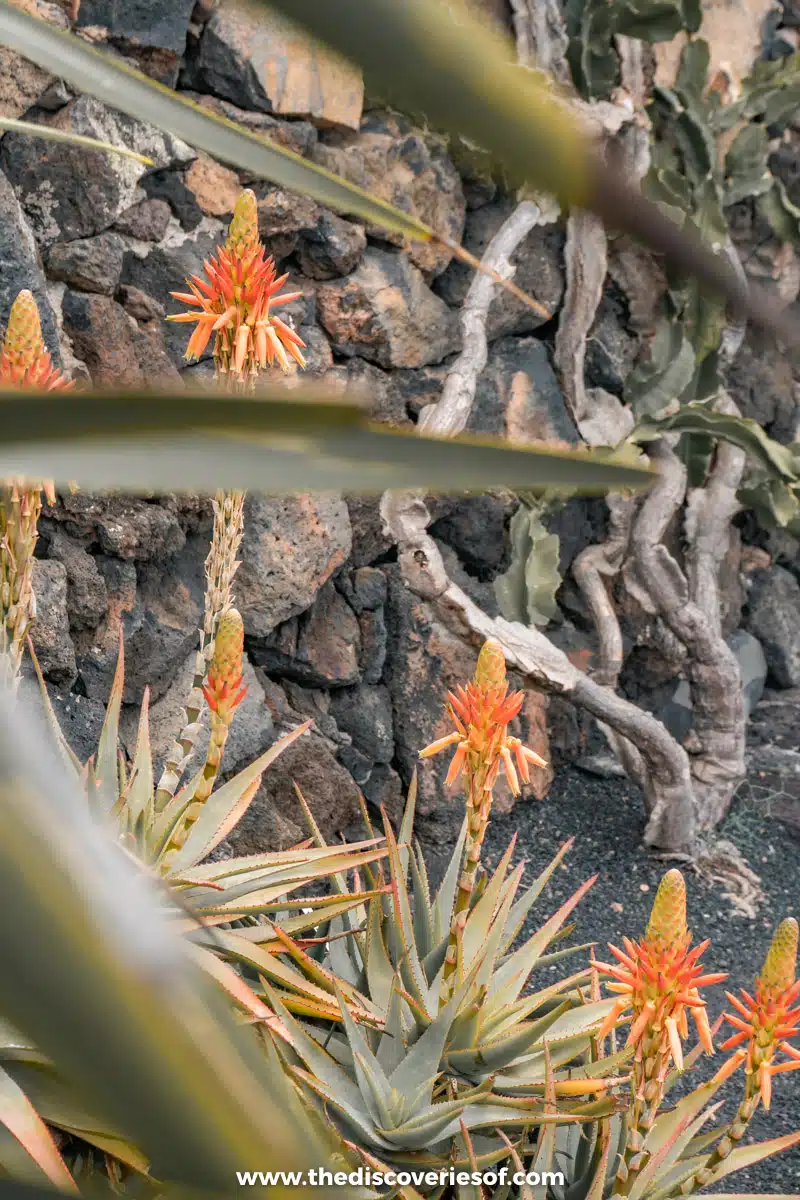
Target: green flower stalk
(223,692)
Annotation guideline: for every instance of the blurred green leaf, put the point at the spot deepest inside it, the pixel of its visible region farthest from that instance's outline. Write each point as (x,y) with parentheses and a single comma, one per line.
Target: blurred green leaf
(111,995)
(282,440)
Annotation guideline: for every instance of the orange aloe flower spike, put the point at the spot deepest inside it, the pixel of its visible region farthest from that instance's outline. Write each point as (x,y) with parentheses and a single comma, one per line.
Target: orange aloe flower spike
(233,303)
(768,1018)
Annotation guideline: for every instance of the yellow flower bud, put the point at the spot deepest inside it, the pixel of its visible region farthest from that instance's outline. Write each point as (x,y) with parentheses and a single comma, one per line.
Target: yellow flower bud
(667,927)
(781,961)
(243,231)
(490,673)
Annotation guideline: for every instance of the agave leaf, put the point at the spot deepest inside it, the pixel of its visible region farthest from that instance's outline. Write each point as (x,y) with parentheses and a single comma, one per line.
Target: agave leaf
(434,1123)
(597,1187)
(16,1047)
(497,1017)
(238,990)
(579,1021)
(349,1106)
(167,822)
(419,1067)
(323,1066)
(393,1042)
(272,967)
(402,927)
(253,894)
(322,913)
(526,1076)
(482,916)
(486,957)
(330,908)
(314,970)
(406,831)
(223,808)
(678,1175)
(547,1138)
(299,858)
(374,1085)
(56,1103)
(21,1119)
(124,985)
(421,909)
(338,880)
(494,1055)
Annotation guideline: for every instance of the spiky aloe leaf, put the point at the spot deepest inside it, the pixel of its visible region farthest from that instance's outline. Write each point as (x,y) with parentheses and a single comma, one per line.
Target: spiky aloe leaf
(516,968)
(105,790)
(669,1138)
(21,1119)
(748,1156)
(137,802)
(522,907)
(226,805)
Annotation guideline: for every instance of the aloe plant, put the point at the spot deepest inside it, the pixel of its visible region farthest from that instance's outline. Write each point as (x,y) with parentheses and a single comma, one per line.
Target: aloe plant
(460,1054)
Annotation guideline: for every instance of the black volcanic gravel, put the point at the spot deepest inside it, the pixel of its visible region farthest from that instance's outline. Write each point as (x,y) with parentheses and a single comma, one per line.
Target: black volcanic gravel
(606,818)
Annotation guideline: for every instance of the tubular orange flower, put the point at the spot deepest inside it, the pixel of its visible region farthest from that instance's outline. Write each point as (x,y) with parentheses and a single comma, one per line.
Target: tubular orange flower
(765,1020)
(481,713)
(235,302)
(659,980)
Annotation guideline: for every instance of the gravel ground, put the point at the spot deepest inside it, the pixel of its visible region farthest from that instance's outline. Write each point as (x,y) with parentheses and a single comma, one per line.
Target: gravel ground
(606,818)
